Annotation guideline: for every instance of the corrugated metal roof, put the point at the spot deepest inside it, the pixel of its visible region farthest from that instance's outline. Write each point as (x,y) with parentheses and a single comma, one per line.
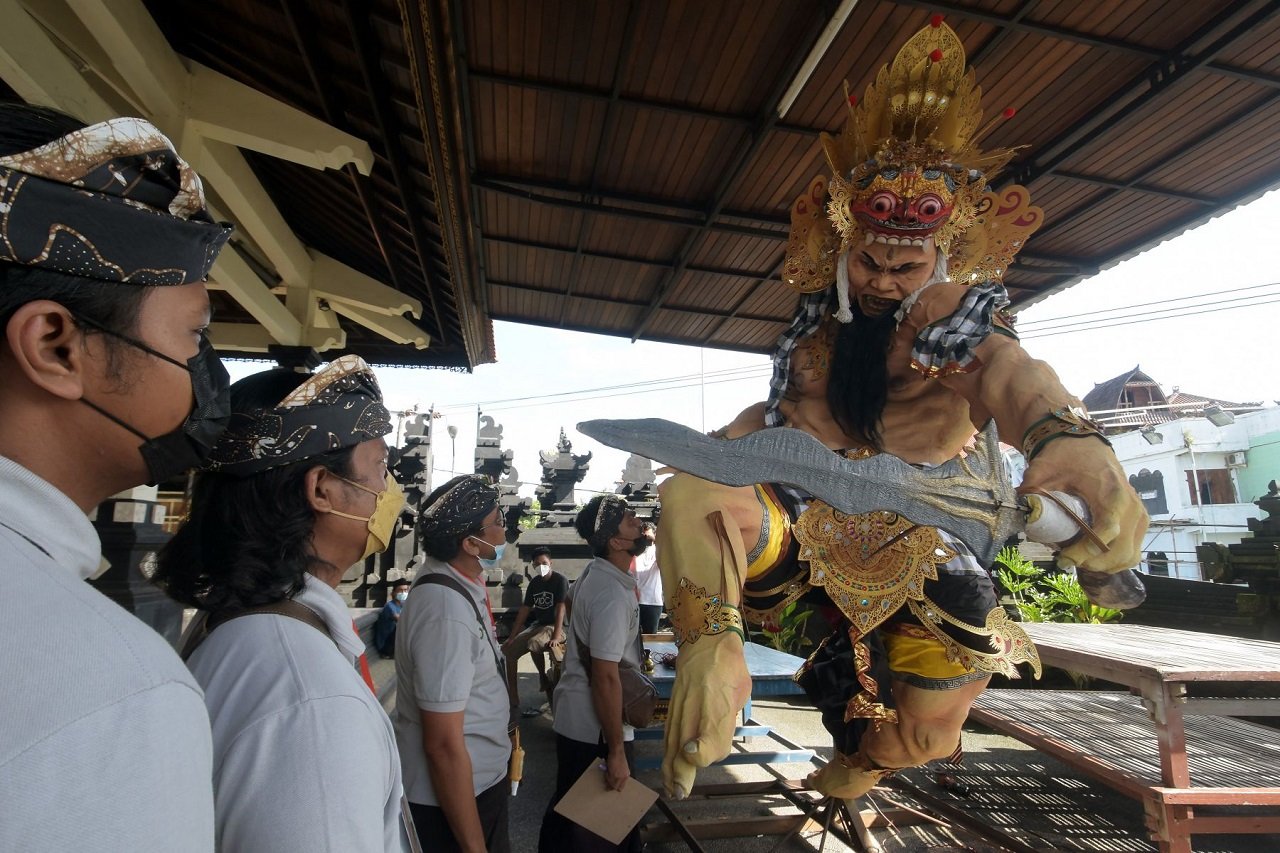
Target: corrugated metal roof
(619,166)
(1124,109)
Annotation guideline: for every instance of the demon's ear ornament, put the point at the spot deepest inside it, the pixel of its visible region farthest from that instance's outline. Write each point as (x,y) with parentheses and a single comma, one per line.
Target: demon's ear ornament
(813,247)
(1004,222)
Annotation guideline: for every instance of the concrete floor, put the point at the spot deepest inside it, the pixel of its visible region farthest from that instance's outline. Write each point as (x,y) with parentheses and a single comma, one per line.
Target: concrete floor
(1041,802)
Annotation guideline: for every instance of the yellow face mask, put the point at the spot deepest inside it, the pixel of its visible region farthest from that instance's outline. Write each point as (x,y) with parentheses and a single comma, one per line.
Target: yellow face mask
(390,501)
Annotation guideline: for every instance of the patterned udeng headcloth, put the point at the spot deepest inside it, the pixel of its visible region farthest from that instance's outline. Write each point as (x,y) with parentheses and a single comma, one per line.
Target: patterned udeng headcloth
(462,507)
(609,515)
(337,407)
(112,202)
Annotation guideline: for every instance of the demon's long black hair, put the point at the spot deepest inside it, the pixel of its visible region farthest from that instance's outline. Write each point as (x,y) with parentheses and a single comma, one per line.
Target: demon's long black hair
(859,380)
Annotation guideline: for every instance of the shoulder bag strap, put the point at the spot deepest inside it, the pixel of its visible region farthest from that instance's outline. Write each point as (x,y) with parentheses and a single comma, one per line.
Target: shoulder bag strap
(452,583)
(584,653)
(285,607)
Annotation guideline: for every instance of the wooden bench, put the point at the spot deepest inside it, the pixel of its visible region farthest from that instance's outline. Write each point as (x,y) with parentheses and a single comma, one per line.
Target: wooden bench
(1175,746)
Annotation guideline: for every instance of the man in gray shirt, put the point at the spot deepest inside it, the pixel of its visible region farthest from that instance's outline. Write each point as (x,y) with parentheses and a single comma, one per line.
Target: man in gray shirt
(452,712)
(604,631)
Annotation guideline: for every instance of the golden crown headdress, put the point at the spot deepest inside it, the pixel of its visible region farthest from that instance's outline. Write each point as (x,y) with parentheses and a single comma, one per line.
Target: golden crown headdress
(907,169)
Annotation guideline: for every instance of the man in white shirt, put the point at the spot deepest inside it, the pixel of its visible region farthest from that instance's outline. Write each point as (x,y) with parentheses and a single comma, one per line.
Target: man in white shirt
(295,492)
(604,633)
(106,382)
(649,580)
(453,716)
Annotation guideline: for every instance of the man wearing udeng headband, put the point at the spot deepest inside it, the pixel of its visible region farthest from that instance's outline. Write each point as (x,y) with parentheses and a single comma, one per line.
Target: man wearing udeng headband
(107,381)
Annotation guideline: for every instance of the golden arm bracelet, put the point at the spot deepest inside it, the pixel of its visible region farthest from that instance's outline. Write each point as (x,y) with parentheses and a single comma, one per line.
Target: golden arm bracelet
(1060,423)
(694,614)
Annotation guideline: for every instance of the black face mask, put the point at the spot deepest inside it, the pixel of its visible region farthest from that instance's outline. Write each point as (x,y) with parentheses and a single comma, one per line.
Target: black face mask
(639,545)
(190,443)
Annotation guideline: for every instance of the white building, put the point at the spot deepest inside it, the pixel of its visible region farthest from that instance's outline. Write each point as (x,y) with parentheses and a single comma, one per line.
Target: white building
(1198,481)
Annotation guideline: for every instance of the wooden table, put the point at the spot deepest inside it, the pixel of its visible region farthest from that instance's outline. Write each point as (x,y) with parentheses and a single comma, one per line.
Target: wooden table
(771,675)
(1176,674)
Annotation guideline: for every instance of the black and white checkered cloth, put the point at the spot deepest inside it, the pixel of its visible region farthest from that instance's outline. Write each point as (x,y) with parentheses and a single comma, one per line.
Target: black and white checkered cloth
(811,309)
(948,346)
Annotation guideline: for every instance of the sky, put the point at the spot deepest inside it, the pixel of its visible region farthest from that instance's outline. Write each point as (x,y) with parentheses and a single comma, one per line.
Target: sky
(1196,312)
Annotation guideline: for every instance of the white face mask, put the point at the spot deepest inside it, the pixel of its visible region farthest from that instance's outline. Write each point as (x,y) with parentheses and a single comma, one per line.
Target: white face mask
(544,569)
(402,596)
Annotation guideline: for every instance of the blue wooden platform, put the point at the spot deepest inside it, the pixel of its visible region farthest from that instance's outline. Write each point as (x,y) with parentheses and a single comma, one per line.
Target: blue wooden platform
(771,670)
(772,674)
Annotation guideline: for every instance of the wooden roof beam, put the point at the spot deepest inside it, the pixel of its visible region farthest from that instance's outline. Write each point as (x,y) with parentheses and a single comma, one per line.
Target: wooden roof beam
(1200,139)
(687,220)
(223,166)
(1134,186)
(397,328)
(626,259)
(40,71)
(1152,83)
(208,115)
(1016,22)
(240,337)
(231,112)
(240,282)
(136,48)
(338,282)
(121,42)
(323,331)
(637,303)
(305,38)
(1002,34)
(693,210)
(766,121)
(606,130)
(774,276)
(671,107)
(429,30)
(365,43)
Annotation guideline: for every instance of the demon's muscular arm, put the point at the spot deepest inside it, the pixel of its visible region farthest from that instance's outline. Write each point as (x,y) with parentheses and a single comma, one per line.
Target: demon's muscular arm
(1018,391)
(701,555)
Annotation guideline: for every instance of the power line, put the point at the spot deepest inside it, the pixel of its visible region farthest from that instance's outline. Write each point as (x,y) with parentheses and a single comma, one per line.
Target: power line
(1147,304)
(758,376)
(1132,322)
(640,383)
(1141,314)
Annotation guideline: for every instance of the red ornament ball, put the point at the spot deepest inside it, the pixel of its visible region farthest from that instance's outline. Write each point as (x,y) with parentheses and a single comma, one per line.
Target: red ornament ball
(935,21)
(853,100)
(1009,112)
(936,55)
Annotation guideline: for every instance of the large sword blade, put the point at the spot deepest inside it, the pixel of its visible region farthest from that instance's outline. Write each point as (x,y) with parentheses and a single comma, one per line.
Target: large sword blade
(970,496)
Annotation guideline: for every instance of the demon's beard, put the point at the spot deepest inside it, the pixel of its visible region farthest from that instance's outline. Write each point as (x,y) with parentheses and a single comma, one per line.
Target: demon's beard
(859,381)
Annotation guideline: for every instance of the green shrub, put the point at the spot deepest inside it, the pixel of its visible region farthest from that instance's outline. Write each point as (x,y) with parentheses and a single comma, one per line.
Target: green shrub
(1048,597)
(786,632)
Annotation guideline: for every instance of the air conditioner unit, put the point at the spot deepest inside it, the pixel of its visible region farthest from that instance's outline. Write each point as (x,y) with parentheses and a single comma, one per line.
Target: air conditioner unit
(1236,460)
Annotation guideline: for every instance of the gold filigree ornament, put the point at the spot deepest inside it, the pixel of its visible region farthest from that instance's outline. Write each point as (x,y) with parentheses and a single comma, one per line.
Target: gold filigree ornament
(812,247)
(869,564)
(1001,229)
(695,613)
(1062,422)
(1010,644)
(865,704)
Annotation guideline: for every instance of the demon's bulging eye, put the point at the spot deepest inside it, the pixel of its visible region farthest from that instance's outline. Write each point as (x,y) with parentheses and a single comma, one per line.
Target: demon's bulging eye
(882,203)
(929,205)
